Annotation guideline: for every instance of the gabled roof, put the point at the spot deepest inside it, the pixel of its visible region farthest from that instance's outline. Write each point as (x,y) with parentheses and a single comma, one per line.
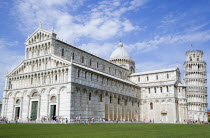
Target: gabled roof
(39,30)
(155,71)
(52,56)
(166,83)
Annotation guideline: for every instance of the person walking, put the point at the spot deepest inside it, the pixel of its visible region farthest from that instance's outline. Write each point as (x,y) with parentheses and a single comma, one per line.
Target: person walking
(66,121)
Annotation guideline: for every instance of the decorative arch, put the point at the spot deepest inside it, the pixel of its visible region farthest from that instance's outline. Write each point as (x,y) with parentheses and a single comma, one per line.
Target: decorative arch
(77,89)
(18,94)
(62,89)
(53,91)
(35,94)
(25,92)
(33,91)
(9,94)
(84,90)
(43,90)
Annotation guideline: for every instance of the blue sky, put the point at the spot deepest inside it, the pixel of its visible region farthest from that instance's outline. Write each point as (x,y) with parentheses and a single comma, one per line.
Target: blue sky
(156,33)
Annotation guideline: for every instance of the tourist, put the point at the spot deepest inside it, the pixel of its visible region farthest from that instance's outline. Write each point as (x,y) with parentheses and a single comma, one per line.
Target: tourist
(66,121)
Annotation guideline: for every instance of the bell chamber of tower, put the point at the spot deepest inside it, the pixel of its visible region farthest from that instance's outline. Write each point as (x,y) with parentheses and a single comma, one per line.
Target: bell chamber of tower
(195,78)
(121,57)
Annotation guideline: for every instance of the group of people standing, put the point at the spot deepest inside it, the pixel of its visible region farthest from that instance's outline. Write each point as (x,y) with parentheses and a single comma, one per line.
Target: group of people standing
(3,120)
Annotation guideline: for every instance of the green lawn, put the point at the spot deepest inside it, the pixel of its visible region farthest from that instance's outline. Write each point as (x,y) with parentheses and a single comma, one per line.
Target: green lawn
(104,130)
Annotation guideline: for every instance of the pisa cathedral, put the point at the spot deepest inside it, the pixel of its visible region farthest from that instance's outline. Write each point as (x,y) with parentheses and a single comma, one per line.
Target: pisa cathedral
(58,79)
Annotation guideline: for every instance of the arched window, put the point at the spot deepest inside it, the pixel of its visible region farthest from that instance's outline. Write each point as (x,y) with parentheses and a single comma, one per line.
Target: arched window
(85,75)
(139,79)
(73,56)
(167,76)
(110,99)
(131,69)
(118,100)
(10,84)
(156,77)
(53,99)
(82,59)
(101,98)
(38,52)
(97,65)
(31,81)
(89,96)
(62,52)
(149,90)
(78,73)
(91,77)
(56,77)
(155,90)
(151,106)
(44,81)
(167,88)
(90,62)
(161,89)
(147,78)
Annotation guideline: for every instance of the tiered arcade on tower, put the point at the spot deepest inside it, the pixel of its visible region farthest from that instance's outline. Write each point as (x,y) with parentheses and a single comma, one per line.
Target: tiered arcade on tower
(195,80)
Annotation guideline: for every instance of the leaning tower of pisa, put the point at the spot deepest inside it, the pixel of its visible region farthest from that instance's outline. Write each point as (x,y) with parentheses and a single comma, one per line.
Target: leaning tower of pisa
(195,78)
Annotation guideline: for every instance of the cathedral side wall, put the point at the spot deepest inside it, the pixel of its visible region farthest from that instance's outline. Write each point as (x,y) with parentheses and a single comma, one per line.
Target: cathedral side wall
(69,53)
(97,96)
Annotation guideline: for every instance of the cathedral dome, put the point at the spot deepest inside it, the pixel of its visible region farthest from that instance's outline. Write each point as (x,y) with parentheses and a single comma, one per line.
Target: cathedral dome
(120,53)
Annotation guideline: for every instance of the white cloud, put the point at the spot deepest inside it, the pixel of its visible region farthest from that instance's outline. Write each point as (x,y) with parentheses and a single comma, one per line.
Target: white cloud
(152,65)
(101,50)
(169,40)
(101,21)
(4,43)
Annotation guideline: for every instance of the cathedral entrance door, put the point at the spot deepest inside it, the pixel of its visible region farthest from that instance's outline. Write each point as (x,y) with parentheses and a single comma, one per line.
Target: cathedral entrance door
(164,117)
(34,108)
(52,111)
(17,112)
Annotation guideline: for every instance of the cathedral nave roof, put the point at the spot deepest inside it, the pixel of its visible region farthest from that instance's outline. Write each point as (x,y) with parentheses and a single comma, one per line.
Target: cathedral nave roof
(158,84)
(154,71)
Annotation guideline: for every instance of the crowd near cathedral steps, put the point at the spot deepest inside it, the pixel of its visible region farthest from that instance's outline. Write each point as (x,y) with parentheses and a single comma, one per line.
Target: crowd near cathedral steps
(59,79)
